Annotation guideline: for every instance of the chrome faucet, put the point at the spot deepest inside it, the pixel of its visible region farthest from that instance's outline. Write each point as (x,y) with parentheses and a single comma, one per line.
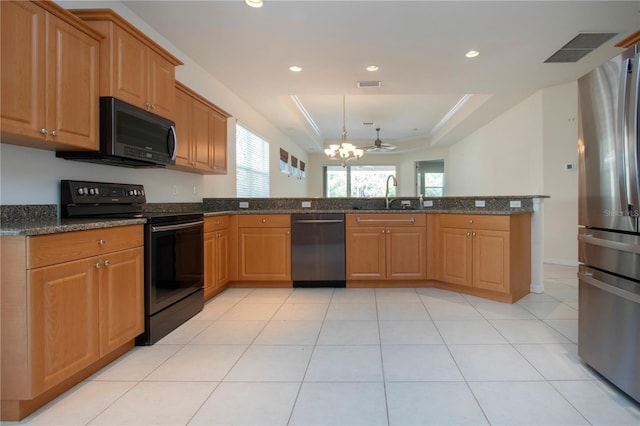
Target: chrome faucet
(386,194)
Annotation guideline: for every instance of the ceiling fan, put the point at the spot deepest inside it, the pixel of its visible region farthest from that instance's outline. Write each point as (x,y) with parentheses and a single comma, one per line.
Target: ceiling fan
(379,146)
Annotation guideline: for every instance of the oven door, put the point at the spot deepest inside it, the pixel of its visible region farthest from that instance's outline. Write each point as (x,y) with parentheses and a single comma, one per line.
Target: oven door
(174,263)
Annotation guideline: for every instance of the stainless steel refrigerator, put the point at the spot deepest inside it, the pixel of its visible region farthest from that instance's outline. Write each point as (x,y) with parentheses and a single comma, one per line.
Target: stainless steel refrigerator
(609,237)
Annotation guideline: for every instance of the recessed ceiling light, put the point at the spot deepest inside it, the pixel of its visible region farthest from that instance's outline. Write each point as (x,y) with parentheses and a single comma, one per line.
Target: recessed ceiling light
(373,68)
(295,68)
(472,54)
(254,3)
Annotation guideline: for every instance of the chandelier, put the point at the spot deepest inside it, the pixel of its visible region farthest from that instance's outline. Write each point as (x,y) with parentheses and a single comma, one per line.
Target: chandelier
(344,152)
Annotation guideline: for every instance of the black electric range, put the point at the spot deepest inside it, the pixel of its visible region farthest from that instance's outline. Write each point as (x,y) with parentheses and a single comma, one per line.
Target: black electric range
(173,247)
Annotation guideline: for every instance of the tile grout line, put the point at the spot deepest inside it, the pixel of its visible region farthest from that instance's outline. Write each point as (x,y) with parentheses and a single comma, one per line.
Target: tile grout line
(313,349)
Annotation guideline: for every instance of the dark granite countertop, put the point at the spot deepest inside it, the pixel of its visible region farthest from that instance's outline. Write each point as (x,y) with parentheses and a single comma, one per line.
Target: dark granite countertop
(366,211)
(54,226)
(42,219)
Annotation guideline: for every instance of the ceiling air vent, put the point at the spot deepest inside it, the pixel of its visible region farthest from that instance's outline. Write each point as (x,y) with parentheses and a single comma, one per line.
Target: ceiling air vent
(579,46)
(369,84)
(368,123)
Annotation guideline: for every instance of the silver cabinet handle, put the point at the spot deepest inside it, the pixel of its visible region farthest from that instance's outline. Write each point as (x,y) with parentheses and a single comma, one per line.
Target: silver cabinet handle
(98,265)
(54,133)
(43,131)
(410,220)
(470,220)
(107,263)
(101,242)
(474,234)
(468,234)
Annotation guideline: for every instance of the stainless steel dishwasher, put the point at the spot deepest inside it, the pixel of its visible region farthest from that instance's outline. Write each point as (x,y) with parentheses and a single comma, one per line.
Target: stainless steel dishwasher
(317,250)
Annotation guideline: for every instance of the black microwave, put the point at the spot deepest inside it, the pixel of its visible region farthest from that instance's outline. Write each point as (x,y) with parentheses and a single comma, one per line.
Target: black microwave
(130,137)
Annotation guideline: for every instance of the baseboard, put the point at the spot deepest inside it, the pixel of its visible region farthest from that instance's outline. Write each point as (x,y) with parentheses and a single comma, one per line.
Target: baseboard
(563,262)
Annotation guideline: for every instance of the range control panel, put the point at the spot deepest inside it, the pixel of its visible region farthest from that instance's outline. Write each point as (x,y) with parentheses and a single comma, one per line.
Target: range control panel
(83,192)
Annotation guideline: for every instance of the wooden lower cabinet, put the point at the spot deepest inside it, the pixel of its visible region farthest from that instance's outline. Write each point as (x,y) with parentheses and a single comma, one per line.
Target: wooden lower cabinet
(216,255)
(488,254)
(264,248)
(64,317)
(121,298)
(396,251)
(65,311)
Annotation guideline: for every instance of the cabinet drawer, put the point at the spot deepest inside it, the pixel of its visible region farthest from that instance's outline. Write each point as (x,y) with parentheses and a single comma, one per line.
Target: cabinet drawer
(386,219)
(264,221)
(50,249)
(216,223)
(475,221)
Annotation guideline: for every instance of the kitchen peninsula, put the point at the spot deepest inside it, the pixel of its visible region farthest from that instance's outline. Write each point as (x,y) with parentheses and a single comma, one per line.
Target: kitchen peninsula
(452,244)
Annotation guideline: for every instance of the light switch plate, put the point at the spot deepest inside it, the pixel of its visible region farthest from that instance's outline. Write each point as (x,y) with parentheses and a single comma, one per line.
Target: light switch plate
(427,203)
(479,203)
(244,204)
(306,204)
(515,204)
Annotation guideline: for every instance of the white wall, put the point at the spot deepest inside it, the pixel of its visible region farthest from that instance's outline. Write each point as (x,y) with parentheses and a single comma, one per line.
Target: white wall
(502,158)
(560,112)
(30,176)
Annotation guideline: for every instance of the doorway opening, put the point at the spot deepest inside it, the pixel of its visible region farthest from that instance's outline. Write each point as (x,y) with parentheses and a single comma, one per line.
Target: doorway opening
(430,178)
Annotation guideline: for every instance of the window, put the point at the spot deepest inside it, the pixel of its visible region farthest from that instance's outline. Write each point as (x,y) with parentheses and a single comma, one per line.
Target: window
(252,164)
(358,181)
(430,178)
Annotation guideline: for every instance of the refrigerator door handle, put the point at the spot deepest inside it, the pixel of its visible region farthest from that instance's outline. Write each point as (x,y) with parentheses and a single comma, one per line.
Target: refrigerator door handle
(631,150)
(587,277)
(615,245)
(623,129)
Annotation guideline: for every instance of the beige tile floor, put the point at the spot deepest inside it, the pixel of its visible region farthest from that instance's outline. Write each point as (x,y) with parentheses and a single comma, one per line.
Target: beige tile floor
(357,357)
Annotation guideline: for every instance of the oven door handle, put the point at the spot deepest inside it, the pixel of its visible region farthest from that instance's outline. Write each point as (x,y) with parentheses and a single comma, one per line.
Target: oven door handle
(175,227)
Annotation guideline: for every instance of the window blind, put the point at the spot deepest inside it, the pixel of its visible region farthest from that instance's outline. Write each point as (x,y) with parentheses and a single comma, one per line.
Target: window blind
(252,164)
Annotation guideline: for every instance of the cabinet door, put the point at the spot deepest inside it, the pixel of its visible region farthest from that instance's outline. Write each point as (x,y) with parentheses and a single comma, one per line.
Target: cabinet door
(121,298)
(491,260)
(161,83)
(209,263)
(183,128)
(130,69)
(264,254)
(456,252)
(22,37)
(201,135)
(63,321)
(366,253)
(72,86)
(406,253)
(221,258)
(220,143)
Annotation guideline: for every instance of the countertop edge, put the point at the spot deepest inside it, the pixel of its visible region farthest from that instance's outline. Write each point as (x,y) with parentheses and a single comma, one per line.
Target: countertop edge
(57,227)
(70,225)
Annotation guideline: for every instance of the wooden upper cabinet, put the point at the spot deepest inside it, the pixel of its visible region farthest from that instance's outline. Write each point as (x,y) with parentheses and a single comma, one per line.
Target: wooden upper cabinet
(23,77)
(49,75)
(220,141)
(135,68)
(202,133)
